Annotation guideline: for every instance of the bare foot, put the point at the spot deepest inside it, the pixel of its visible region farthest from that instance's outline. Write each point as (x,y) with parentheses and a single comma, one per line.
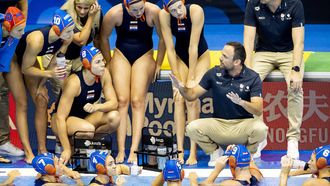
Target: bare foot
(28,158)
(181,158)
(132,158)
(120,157)
(4,160)
(192,160)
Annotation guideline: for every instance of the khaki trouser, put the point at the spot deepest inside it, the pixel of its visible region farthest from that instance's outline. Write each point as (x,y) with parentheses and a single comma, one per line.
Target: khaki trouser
(74,65)
(209,133)
(264,63)
(4,107)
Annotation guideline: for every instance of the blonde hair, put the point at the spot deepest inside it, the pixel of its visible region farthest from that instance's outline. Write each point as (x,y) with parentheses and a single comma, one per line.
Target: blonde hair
(70,8)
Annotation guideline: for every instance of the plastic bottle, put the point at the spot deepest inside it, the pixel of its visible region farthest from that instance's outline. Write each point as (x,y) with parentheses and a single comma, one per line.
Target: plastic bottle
(152,160)
(161,160)
(135,169)
(61,62)
(298,164)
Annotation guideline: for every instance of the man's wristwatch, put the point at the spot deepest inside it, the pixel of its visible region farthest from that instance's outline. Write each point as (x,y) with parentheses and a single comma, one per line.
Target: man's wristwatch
(296,68)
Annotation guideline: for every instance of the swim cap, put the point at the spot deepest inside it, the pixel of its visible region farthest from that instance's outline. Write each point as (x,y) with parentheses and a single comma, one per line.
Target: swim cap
(167,3)
(86,55)
(61,21)
(239,156)
(13,18)
(173,171)
(129,2)
(44,164)
(322,155)
(97,161)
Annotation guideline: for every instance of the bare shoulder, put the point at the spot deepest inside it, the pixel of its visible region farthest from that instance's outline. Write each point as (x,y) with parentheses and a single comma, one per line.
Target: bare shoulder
(196,8)
(115,12)
(152,8)
(35,40)
(72,83)
(105,77)
(163,14)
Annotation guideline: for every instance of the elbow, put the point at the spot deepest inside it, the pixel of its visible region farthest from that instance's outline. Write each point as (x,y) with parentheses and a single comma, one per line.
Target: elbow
(82,43)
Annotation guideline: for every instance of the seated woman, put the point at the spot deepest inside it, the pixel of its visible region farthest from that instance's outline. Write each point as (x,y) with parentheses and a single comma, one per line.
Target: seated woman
(106,169)
(318,166)
(50,169)
(79,108)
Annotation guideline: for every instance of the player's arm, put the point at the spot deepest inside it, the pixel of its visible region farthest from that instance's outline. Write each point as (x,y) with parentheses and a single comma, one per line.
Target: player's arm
(109,22)
(165,19)
(197,19)
(111,102)
(70,90)
(34,44)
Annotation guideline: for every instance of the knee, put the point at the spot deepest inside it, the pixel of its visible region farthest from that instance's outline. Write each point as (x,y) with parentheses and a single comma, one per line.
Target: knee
(41,101)
(193,104)
(21,103)
(192,128)
(260,130)
(113,118)
(123,101)
(138,102)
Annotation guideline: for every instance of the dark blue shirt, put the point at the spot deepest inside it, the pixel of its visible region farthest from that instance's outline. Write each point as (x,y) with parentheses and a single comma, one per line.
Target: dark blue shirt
(247,84)
(274,29)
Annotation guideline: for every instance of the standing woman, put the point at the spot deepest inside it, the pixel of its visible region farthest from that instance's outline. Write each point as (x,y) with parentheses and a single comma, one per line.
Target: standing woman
(189,60)
(11,30)
(132,66)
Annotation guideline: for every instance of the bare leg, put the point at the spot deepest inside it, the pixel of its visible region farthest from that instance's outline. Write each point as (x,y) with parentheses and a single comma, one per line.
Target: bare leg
(179,111)
(121,73)
(193,111)
(143,71)
(16,85)
(193,108)
(41,104)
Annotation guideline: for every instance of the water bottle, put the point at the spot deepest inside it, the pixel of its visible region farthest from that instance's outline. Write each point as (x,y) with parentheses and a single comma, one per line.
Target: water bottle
(61,62)
(298,164)
(161,160)
(152,160)
(135,169)
(83,161)
(88,154)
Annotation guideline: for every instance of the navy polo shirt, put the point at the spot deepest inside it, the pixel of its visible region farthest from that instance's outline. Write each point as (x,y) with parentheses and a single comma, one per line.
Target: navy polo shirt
(274,29)
(247,84)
